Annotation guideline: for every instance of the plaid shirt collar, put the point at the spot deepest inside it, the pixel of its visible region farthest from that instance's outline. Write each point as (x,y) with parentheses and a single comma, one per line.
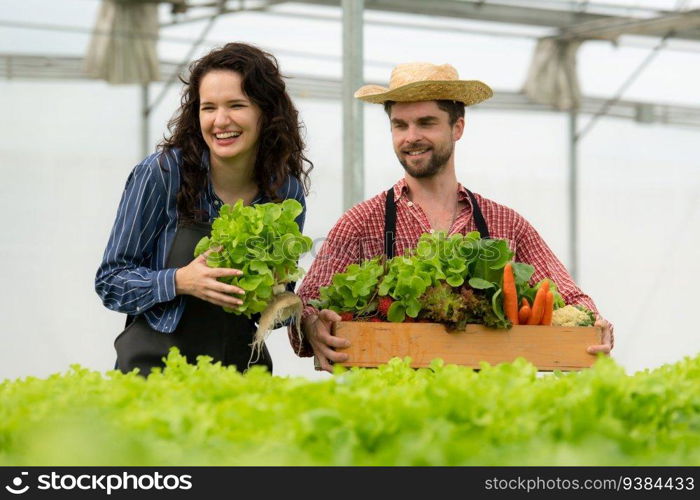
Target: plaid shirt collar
(401,190)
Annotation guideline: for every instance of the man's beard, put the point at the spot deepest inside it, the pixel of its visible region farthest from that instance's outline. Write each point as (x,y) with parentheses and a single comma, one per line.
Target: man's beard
(438,159)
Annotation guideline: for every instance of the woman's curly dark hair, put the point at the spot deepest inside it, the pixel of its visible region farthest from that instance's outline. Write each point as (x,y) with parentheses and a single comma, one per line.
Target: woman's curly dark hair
(280,144)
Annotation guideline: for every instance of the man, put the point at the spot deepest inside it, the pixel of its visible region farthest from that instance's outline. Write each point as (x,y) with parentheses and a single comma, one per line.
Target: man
(425,104)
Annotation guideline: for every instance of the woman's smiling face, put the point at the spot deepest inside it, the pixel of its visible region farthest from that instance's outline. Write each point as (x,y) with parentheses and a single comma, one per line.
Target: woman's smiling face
(228,119)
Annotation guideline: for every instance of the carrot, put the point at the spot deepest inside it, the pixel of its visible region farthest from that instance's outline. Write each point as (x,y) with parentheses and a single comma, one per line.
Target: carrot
(524,313)
(510,295)
(548,309)
(538,304)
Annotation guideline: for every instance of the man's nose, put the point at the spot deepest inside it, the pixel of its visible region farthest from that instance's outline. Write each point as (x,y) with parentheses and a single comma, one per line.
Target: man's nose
(413,134)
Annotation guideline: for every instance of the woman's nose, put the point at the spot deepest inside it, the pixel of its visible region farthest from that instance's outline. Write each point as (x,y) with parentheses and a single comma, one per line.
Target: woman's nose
(221,118)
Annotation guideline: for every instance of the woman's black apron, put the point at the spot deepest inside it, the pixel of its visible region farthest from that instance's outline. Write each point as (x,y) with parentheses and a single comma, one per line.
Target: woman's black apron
(390,221)
(204,328)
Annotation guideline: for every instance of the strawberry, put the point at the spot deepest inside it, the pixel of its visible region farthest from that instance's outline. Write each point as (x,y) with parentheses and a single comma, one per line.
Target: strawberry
(346,316)
(374,319)
(384,305)
(409,319)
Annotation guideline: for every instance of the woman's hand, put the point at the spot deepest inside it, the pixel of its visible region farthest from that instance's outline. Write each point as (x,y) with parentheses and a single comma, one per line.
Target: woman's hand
(200,280)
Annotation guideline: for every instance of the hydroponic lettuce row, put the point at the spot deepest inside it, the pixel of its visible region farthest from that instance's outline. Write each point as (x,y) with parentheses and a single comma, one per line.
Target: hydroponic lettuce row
(446,415)
(453,280)
(264,242)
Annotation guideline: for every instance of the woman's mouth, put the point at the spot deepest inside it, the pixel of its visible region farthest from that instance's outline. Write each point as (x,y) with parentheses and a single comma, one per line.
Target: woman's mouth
(226,138)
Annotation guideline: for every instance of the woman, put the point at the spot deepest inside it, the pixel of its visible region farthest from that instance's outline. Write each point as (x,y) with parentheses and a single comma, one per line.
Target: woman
(235,137)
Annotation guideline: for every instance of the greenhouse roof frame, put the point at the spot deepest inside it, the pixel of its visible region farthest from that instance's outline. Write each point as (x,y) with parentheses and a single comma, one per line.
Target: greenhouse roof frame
(32,67)
(580,23)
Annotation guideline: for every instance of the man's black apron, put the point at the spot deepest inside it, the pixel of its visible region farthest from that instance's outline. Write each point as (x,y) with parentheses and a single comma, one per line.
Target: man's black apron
(204,328)
(390,221)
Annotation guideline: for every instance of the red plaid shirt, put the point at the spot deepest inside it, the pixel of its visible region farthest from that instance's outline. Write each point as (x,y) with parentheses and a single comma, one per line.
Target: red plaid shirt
(359,235)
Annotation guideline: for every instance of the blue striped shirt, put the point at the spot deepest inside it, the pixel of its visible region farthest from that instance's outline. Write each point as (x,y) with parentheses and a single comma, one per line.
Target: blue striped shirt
(132,278)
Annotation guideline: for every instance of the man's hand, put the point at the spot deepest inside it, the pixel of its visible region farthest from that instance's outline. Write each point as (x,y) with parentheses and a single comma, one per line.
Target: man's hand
(606,340)
(317,330)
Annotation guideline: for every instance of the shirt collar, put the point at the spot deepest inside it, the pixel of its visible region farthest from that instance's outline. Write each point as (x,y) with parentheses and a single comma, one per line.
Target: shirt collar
(401,189)
(206,166)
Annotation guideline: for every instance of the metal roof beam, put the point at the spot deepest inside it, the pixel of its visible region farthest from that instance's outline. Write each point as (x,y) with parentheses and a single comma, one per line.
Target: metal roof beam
(222,9)
(23,67)
(494,12)
(612,28)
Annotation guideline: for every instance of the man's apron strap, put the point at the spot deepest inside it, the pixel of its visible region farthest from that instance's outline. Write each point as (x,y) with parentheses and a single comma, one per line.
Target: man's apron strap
(479,220)
(390,224)
(390,221)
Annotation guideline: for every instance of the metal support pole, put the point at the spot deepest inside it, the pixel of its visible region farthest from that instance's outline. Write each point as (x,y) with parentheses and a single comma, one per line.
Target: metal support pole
(573,194)
(145,112)
(353,147)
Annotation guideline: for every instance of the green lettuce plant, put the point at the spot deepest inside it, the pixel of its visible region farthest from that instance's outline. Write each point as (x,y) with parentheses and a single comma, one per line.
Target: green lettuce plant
(261,240)
(445,415)
(353,290)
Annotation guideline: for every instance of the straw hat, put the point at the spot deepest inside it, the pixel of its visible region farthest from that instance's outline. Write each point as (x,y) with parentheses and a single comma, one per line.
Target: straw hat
(412,82)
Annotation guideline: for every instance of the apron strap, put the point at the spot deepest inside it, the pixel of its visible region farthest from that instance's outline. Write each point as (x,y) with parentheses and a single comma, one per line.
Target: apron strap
(479,220)
(390,221)
(389,224)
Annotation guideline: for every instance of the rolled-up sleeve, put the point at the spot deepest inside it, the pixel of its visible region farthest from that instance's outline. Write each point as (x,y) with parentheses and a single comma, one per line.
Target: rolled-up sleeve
(124,280)
(341,248)
(533,250)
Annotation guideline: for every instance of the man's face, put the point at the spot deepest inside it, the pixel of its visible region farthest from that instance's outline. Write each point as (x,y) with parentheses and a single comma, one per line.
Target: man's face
(423,138)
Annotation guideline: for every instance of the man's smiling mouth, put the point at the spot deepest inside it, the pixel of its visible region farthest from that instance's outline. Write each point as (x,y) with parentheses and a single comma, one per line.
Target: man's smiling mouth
(416,152)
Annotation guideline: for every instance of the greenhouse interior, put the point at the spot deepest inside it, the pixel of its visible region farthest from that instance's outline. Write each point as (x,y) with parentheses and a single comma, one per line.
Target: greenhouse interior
(591,135)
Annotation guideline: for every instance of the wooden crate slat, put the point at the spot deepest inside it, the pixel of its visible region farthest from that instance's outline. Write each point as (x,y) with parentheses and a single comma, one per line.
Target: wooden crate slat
(548,348)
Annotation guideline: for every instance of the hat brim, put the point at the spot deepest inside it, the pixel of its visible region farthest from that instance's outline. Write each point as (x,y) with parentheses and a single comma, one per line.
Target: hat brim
(467,91)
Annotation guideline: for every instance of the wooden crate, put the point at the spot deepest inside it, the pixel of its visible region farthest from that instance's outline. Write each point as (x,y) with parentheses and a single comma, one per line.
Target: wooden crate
(547,347)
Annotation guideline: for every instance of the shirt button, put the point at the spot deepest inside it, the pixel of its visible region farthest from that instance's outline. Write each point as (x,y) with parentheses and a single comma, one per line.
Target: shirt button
(410,203)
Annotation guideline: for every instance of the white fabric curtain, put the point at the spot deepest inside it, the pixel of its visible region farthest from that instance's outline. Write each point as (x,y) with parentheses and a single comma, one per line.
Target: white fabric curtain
(552,77)
(123,45)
